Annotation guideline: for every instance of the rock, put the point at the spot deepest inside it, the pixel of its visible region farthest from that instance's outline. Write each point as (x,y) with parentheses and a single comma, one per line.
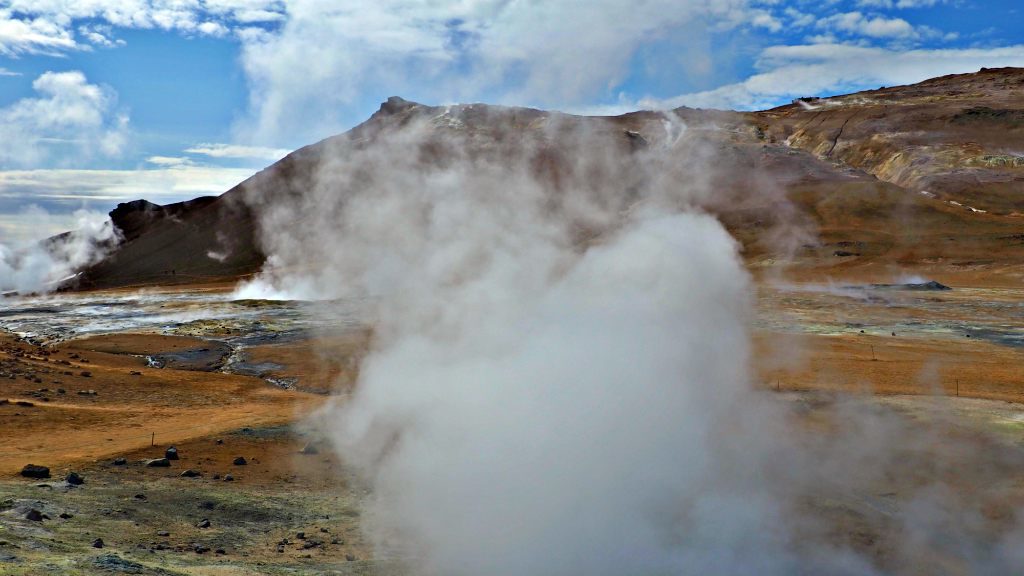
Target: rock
(229,478)
(240,461)
(350,557)
(120,461)
(219,551)
(140,496)
(75,479)
(191,474)
(66,516)
(158,463)
(300,535)
(97,543)
(34,515)
(310,448)
(204,523)
(200,549)
(163,534)
(135,373)
(85,374)
(171,453)
(34,471)
(25,403)
(219,441)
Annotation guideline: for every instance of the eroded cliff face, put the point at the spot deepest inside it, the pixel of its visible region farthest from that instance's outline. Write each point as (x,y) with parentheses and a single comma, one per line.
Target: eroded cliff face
(957,138)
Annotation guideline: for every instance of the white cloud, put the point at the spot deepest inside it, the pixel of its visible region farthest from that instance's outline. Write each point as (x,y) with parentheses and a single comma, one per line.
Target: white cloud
(69,113)
(218,150)
(874,27)
(793,71)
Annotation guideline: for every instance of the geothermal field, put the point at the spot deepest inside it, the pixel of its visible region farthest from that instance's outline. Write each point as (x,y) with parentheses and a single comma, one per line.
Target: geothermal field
(474,339)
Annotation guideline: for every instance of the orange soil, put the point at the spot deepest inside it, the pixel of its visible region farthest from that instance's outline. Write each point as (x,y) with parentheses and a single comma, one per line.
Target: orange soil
(127,410)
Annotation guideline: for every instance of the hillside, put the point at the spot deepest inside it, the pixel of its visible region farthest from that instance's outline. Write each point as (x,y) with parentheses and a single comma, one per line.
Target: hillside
(928,177)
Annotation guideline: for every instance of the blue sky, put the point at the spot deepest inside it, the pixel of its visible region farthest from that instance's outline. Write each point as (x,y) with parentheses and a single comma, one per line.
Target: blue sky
(103,101)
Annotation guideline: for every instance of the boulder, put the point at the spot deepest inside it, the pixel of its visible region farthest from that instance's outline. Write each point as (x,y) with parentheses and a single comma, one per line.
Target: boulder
(75,479)
(240,461)
(158,463)
(34,471)
(171,453)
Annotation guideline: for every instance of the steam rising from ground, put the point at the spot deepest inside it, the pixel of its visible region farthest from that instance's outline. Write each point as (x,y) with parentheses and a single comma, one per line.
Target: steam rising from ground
(559,379)
(42,266)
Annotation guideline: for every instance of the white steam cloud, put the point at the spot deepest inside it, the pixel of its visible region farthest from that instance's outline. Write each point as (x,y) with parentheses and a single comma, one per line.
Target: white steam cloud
(559,380)
(43,266)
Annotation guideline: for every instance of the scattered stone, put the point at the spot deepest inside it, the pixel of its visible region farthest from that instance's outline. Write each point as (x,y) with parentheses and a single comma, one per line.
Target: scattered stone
(158,463)
(229,478)
(140,496)
(220,441)
(310,448)
(34,515)
(75,479)
(66,516)
(114,563)
(97,543)
(34,471)
(25,403)
(280,549)
(135,373)
(87,393)
(163,534)
(61,391)
(191,474)
(204,523)
(200,549)
(120,461)
(219,551)
(216,476)
(325,530)
(171,453)
(350,557)
(337,541)
(310,544)
(300,535)
(240,461)
(85,374)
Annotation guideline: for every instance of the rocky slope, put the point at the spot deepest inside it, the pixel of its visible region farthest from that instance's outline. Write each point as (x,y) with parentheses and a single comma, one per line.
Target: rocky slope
(915,177)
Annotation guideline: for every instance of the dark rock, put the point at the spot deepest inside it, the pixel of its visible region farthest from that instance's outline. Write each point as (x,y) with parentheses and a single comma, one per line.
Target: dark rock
(66,516)
(240,461)
(158,463)
(163,534)
(300,535)
(34,515)
(200,549)
(310,448)
(85,374)
(97,543)
(34,471)
(350,557)
(25,403)
(204,523)
(75,479)
(140,496)
(229,478)
(171,453)
(191,474)
(120,461)
(219,551)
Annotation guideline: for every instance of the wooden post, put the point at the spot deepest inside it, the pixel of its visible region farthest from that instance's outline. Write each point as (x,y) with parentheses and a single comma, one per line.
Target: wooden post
(873,353)
(152,439)
(958,387)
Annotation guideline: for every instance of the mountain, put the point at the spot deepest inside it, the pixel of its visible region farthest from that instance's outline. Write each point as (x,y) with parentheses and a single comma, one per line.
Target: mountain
(927,177)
